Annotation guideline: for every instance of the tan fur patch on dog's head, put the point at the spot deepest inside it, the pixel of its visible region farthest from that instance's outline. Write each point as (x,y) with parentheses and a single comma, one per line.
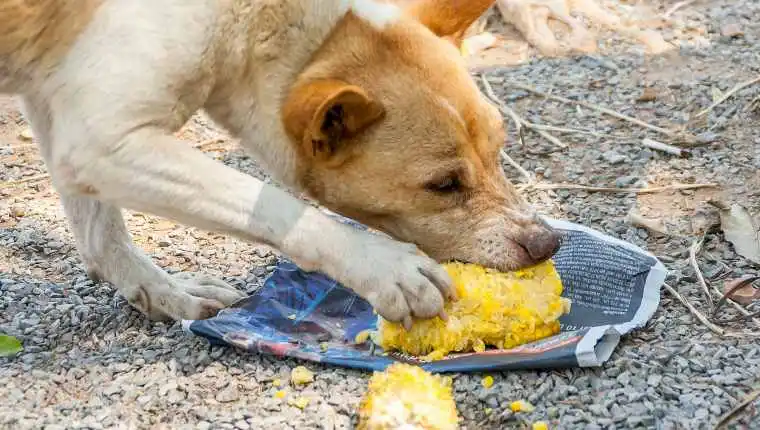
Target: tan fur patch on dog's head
(393,131)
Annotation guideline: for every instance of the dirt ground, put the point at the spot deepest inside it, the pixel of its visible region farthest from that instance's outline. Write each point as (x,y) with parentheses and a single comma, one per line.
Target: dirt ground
(91,361)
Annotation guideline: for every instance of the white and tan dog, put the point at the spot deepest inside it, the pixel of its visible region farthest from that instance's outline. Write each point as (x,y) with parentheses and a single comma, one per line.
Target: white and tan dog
(365,106)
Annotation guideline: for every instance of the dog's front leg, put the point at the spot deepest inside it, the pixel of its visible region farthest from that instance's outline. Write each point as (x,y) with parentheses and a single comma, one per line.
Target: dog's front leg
(108,253)
(149,170)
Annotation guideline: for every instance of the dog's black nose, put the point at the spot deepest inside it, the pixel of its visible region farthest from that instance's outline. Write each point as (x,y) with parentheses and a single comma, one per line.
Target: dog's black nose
(540,241)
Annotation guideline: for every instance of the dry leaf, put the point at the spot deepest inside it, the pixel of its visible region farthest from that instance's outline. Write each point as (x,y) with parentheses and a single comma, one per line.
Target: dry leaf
(716,94)
(704,219)
(652,224)
(744,295)
(648,95)
(740,229)
(732,30)
(478,43)
(26,135)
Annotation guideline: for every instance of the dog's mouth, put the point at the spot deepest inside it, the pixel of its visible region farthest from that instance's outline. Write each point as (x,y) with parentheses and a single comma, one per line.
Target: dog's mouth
(521,256)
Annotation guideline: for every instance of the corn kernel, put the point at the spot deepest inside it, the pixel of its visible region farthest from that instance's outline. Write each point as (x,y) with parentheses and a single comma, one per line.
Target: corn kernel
(276,382)
(521,406)
(406,396)
(487,381)
(496,309)
(301,376)
(280,394)
(300,402)
(362,337)
(540,425)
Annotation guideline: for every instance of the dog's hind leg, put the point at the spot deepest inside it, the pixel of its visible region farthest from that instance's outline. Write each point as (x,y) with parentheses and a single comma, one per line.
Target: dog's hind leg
(108,252)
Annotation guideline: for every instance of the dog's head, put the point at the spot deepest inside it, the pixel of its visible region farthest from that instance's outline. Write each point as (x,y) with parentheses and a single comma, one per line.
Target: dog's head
(393,131)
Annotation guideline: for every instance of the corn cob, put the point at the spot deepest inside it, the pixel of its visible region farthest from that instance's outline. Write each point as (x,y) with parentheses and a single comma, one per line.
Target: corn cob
(495,309)
(407,397)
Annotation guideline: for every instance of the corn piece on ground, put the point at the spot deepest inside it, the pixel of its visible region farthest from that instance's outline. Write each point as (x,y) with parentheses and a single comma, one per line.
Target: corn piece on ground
(406,396)
(300,375)
(494,309)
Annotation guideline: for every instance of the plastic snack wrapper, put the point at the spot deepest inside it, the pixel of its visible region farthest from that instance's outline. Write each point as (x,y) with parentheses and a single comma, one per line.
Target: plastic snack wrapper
(614,287)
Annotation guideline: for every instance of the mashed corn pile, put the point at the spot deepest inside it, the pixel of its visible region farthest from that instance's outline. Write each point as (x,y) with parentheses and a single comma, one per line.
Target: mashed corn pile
(407,397)
(494,309)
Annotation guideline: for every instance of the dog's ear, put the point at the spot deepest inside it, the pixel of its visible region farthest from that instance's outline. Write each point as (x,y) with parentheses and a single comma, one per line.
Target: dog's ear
(322,114)
(449,19)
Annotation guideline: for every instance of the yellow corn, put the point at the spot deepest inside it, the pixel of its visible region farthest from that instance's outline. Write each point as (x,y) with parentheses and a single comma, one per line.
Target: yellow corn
(496,309)
(301,376)
(521,406)
(487,382)
(405,396)
(299,402)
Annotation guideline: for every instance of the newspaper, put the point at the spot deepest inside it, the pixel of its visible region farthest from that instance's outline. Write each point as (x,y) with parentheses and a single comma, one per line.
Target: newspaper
(614,287)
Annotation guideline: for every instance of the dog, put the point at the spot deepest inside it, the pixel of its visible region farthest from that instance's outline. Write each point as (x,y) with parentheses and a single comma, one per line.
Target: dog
(365,106)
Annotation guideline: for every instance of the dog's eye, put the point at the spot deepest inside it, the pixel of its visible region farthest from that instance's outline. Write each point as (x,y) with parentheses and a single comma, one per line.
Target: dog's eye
(449,184)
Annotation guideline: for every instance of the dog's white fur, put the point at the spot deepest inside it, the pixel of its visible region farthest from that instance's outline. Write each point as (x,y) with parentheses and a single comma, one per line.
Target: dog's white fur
(105,116)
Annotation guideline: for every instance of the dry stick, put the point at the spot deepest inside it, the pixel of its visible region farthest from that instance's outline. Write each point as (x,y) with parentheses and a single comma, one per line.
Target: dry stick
(21,146)
(664,147)
(748,314)
(8,184)
(517,166)
(700,316)
(693,250)
(727,95)
(728,417)
(602,110)
(622,190)
(208,142)
(516,118)
(675,7)
(751,103)
(518,122)
(545,127)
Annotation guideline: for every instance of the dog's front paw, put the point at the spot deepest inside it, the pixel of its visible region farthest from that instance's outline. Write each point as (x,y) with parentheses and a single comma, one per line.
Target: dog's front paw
(182,296)
(396,279)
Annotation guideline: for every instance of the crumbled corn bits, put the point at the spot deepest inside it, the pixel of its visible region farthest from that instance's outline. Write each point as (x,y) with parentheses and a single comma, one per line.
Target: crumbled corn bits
(521,406)
(406,396)
(300,375)
(498,309)
(487,381)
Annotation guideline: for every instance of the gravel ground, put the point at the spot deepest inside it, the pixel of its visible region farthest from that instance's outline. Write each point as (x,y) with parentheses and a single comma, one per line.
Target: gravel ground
(90,361)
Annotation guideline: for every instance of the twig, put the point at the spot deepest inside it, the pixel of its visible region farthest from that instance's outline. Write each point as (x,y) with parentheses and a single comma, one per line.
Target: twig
(9,184)
(603,110)
(21,146)
(725,297)
(664,147)
(208,142)
(654,225)
(730,415)
(517,166)
(727,95)
(545,127)
(675,7)
(700,316)
(622,190)
(752,105)
(519,121)
(693,250)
